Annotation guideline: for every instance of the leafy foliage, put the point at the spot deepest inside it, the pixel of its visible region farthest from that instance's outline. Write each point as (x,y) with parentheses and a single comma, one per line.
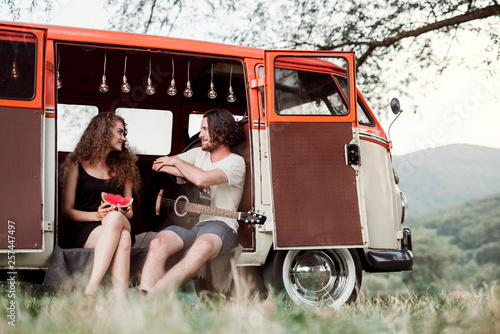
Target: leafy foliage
(457,247)
(433,256)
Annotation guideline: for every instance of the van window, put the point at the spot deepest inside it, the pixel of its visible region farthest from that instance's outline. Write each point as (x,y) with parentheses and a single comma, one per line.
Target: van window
(195,123)
(17,65)
(307,93)
(364,117)
(72,120)
(149,130)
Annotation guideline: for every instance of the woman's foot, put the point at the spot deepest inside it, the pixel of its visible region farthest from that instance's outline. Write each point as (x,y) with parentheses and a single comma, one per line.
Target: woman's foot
(91,290)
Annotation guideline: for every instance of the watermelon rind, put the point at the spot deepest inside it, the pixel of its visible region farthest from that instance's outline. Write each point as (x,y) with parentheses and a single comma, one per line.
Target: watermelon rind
(116,200)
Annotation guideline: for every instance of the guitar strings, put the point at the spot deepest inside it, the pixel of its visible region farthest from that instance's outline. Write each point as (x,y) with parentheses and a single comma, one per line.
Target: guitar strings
(172,202)
(182,205)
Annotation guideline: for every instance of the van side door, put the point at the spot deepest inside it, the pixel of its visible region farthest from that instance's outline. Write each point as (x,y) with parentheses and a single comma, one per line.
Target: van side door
(313,149)
(21,128)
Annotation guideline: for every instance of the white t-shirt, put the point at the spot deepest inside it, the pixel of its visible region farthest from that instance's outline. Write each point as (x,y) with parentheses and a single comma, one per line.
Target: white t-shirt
(226,195)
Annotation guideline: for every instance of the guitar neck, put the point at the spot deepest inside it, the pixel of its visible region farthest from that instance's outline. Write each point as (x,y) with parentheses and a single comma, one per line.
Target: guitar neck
(211,211)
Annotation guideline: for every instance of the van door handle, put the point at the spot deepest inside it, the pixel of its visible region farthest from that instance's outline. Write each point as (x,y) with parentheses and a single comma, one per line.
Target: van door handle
(352,154)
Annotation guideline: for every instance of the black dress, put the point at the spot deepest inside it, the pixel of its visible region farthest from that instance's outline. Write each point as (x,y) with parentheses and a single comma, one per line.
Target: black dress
(88,198)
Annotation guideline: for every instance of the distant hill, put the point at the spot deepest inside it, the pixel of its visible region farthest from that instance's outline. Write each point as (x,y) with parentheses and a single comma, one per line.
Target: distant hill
(438,178)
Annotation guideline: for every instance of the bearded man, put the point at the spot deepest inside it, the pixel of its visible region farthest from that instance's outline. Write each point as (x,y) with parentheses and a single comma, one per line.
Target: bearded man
(220,173)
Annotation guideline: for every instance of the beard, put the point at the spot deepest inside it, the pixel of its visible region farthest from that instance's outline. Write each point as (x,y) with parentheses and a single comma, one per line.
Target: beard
(210,145)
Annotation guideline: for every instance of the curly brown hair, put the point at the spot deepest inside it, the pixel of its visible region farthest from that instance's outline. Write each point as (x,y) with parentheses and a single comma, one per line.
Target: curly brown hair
(222,127)
(94,144)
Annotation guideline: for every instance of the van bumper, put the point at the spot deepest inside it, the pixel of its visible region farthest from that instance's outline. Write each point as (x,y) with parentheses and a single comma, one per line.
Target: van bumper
(393,260)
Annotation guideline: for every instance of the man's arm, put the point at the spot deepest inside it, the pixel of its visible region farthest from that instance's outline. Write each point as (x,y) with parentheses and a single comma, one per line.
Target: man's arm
(178,167)
(161,165)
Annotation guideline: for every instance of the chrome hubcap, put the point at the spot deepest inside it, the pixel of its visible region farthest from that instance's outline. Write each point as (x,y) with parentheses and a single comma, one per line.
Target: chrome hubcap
(318,277)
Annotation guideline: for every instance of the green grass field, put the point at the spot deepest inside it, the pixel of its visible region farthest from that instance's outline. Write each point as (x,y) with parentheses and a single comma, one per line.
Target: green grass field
(38,311)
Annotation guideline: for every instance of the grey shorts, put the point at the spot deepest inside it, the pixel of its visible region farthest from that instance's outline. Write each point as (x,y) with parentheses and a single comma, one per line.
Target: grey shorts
(218,228)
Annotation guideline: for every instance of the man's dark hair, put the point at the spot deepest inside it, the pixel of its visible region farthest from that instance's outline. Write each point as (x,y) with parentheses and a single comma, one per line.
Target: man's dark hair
(223,128)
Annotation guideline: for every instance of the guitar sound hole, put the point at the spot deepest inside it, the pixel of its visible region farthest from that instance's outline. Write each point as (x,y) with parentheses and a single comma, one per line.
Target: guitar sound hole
(180,206)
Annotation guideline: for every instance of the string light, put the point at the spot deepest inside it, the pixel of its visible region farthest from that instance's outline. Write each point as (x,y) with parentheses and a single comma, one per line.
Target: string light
(103,87)
(212,93)
(150,90)
(188,91)
(125,88)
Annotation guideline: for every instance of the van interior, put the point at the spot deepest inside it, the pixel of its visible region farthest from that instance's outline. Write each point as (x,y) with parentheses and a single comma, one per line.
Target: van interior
(158,123)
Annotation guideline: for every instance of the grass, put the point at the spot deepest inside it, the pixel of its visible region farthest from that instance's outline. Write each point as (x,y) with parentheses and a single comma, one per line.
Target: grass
(39,311)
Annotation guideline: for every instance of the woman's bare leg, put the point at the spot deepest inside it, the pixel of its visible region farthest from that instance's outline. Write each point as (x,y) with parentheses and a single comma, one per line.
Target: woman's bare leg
(104,240)
(120,267)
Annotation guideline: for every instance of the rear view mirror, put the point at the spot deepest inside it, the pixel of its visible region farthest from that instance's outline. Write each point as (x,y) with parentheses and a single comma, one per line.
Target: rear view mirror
(396,109)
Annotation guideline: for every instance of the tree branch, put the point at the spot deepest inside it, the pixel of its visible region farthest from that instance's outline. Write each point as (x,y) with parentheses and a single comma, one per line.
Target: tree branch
(477,14)
(150,20)
(493,10)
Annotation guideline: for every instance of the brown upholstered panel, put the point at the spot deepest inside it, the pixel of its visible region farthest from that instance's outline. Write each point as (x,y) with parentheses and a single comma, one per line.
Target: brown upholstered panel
(314,191)
(20,177)
(245,231)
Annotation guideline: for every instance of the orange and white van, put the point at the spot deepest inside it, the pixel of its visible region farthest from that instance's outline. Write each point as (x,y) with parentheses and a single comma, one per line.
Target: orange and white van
(319,166)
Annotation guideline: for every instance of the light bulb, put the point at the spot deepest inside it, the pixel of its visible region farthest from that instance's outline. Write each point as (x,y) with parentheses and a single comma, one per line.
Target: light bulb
(188,91)
(231,97)
(125,88)
(171,89)
(103,87)
(212,93)
(15,73)
(125,85)
(150,90)
(58,81)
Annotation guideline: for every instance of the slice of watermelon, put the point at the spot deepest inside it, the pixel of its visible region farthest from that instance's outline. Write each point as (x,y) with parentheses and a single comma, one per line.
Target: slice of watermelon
(116,200)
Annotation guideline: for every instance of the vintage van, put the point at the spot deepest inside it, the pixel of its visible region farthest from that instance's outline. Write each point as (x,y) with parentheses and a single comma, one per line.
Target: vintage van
(319,170)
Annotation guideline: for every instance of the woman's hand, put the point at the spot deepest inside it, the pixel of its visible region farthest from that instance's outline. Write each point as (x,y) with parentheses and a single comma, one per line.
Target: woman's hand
(124,211)
(103,210)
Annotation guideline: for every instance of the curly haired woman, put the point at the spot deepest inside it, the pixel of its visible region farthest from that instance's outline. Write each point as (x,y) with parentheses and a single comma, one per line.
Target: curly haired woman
(101,162)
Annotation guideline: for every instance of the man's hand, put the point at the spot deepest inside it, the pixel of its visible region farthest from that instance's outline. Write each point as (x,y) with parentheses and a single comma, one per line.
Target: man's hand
(206,190)
(162,162)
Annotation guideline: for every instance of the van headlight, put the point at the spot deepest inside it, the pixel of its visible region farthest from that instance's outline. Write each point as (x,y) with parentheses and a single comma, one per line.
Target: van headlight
(404,206)
(396,175)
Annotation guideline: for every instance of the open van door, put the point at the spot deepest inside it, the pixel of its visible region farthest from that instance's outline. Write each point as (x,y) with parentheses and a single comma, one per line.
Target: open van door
(21,128)
(314,149)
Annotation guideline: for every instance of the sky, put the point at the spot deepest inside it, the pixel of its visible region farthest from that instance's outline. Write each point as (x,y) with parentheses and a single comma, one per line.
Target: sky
(461,106)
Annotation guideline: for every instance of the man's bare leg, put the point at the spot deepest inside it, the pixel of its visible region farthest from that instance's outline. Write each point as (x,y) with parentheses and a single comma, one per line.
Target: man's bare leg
(205,248)
(165,244)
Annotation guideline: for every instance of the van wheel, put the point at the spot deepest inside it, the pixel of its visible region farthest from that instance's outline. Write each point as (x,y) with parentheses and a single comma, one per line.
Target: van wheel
(319,278)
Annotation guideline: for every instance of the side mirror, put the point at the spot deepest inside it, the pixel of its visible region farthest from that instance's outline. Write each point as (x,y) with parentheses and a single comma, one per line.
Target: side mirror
(396,109)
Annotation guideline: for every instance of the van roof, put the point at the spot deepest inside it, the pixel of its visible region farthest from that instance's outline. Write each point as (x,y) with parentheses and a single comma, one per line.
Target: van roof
(140,41)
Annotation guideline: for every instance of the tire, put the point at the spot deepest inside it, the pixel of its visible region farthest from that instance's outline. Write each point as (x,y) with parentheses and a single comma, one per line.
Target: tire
(318,278)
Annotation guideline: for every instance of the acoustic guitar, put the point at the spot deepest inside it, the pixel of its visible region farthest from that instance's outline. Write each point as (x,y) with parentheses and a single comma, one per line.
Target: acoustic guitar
(167,202)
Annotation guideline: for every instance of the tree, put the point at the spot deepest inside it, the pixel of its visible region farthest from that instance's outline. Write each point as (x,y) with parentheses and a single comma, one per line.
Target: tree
(435,259)
(392,37)
(397,42)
